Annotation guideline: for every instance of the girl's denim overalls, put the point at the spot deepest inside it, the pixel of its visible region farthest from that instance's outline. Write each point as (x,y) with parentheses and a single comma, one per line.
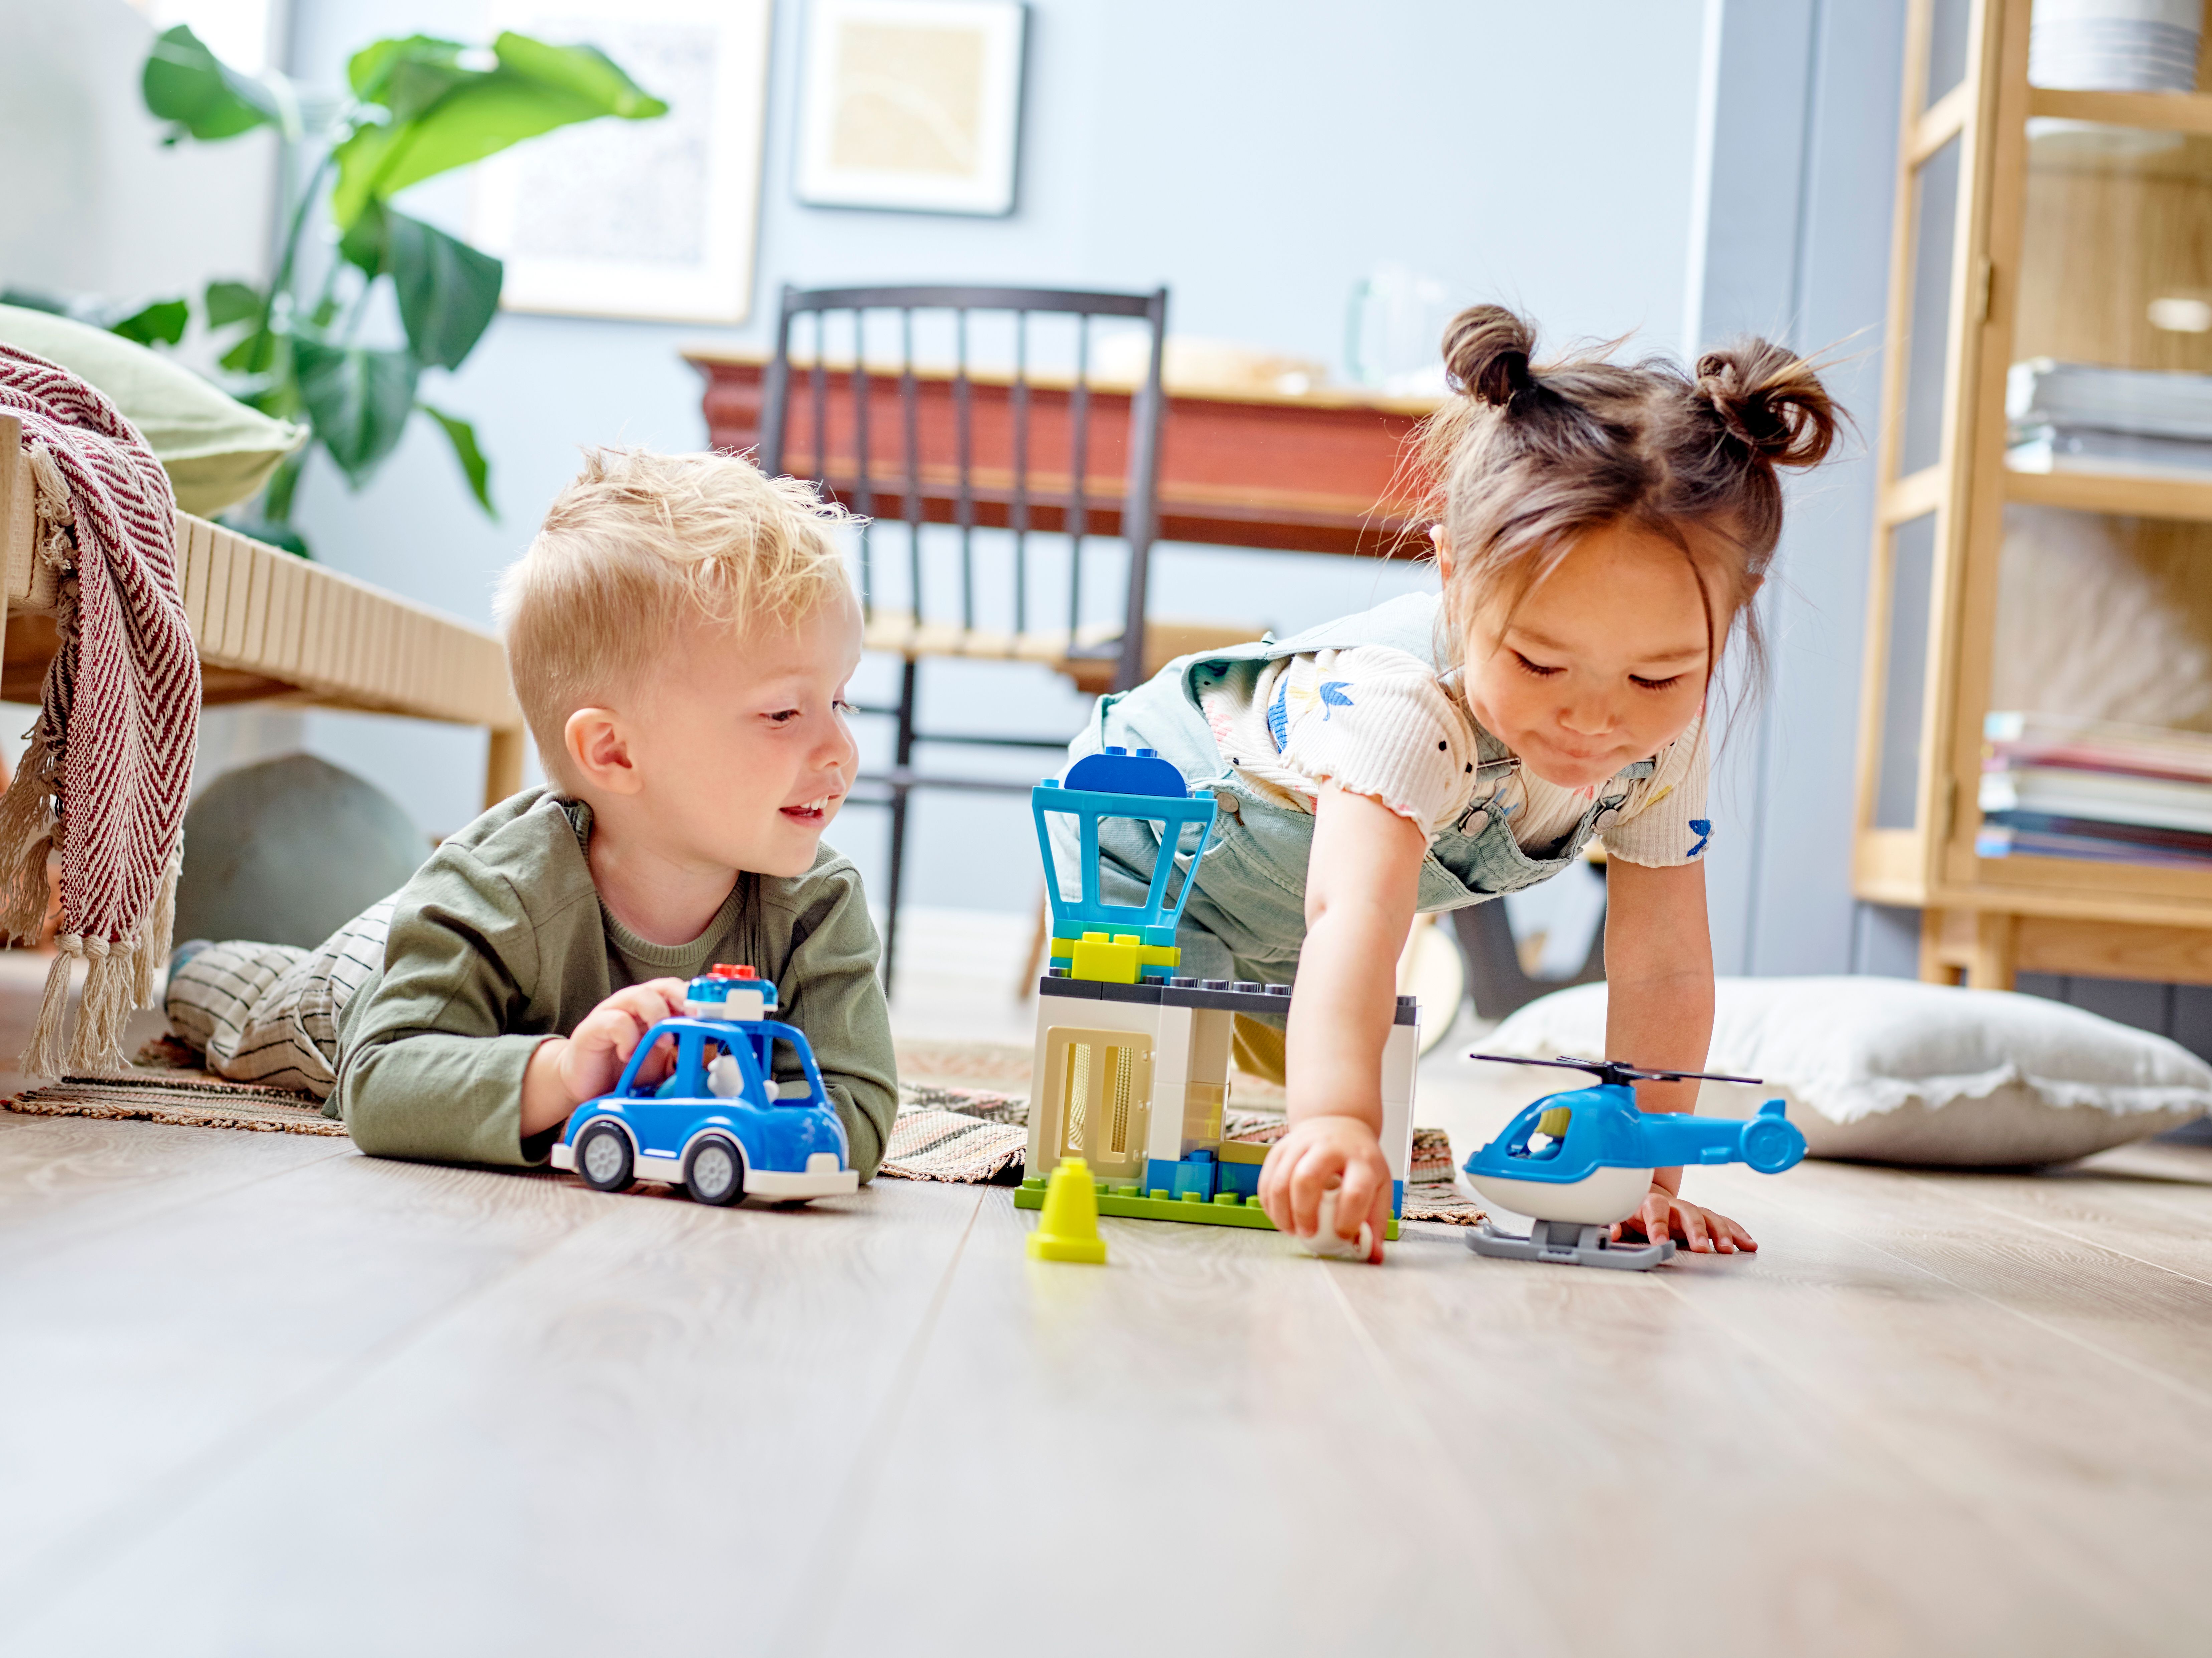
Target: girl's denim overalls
(1246,918)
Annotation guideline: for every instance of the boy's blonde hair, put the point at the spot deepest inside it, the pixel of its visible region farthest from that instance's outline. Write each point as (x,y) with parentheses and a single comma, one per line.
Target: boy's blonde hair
(640,545)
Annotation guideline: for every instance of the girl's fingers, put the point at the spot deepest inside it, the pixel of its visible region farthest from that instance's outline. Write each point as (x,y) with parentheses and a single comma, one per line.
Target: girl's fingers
(1355,1199)
(1737,1236)
(1693,1227)
(1315,1169)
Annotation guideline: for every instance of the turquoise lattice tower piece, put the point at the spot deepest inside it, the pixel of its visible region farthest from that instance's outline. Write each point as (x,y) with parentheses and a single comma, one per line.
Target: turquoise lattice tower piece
(1116,783)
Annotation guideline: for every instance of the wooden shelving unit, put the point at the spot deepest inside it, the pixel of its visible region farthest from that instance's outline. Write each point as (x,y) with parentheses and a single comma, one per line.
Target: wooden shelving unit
(2003,250)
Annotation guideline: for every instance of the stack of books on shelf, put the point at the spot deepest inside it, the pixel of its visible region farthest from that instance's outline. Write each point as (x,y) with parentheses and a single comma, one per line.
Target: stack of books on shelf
(2078,417)
(2054,787)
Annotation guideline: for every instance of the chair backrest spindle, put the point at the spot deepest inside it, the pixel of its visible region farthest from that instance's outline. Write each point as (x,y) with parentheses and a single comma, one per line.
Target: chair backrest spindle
(963,461)
(1019,514)
(910,415)
(1078,462)
(864,494)
(972,496)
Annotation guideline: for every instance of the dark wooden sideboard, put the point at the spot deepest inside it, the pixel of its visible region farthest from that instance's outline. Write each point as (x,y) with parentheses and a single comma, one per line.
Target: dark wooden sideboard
(1326,472)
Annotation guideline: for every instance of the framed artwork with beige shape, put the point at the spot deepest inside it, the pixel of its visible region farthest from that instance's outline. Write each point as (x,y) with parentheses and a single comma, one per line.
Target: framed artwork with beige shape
(912,104)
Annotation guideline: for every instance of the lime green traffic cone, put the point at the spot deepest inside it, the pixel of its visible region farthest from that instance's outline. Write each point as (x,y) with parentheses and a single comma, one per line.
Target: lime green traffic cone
(1068,1228)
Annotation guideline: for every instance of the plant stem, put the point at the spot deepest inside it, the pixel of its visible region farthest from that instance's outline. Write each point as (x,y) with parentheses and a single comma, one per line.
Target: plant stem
(258,360)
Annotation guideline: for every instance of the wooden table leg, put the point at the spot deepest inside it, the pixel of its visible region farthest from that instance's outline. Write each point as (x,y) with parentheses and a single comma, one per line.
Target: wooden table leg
(503,764)
(1974,947)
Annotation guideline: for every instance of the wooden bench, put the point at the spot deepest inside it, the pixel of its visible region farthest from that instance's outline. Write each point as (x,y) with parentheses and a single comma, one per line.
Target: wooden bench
(274,628)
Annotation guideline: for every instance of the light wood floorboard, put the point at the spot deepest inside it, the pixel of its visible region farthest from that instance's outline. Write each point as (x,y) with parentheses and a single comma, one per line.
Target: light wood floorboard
(633,1436)
(267,1396)
(1194,1436)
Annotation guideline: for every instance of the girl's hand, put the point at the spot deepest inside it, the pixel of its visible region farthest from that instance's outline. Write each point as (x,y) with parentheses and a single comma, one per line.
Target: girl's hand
(1317,1154)
(1702,1231)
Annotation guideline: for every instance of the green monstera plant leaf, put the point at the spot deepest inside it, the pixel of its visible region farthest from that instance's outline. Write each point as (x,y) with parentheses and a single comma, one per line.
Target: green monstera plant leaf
(418,106)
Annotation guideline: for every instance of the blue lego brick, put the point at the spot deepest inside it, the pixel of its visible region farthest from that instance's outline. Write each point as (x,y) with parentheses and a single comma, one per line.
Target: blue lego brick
(1117,771)
(1196,1177)
(1131,1203)
(1241,1178)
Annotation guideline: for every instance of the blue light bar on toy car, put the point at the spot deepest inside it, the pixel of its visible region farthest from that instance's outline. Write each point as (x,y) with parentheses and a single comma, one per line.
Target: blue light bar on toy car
(1117,783)
(729,992)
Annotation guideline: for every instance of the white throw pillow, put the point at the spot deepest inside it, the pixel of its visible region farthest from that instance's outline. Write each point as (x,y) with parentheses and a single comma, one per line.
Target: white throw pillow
(1894,1071)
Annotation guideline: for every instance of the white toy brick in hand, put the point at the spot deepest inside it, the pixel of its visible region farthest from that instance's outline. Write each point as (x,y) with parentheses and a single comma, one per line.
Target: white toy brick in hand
(1325,1241)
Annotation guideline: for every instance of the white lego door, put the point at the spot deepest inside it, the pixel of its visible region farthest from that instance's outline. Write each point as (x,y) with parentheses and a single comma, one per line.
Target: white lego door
(1097,1093)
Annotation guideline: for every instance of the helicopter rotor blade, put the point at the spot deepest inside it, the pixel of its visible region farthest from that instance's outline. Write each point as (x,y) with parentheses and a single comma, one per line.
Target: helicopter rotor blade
(1563,1064)
(1600,1067)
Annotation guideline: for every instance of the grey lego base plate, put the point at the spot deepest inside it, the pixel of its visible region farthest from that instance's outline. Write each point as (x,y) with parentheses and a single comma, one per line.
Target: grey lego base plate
(1566,1244)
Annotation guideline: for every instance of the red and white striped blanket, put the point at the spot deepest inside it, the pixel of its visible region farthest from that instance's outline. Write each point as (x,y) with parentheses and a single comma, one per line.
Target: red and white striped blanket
(105,778)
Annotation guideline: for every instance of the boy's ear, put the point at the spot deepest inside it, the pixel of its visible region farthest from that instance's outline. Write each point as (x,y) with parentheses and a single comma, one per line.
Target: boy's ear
(1442,543)
(598,748)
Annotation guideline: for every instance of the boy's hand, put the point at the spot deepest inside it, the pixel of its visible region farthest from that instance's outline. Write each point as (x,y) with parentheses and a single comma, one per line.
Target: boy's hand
(1317,1154)
(565,1070)
(1704,1231)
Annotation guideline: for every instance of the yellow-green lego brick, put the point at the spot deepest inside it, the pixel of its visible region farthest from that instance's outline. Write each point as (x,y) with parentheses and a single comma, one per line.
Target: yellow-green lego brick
(1131,1203)
(1119,960)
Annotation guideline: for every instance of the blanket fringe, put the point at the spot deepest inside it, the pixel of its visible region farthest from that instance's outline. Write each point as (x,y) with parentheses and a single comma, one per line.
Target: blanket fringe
(111,981)
(43,1056)
(157,938)
(118,980)
(27,836)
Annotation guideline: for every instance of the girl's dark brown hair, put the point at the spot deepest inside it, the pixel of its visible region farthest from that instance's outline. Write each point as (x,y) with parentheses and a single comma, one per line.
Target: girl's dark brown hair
(1528,460)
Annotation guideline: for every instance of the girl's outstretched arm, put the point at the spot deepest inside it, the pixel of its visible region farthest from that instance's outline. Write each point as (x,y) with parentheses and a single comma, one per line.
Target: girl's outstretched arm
(1361,885)
(1659,1015)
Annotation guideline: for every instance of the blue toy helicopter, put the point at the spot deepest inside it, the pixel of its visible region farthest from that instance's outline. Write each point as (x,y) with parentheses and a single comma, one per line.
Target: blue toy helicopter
(721,1126)
(1578,1162)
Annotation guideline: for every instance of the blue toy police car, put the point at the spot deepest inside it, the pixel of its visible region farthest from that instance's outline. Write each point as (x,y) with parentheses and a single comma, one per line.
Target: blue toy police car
(721,1126)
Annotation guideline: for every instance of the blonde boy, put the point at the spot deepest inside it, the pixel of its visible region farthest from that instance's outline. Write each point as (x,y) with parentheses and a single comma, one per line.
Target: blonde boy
(680,634)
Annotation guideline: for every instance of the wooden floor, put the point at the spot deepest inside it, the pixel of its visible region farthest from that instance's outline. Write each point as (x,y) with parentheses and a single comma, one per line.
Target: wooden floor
(265,1395)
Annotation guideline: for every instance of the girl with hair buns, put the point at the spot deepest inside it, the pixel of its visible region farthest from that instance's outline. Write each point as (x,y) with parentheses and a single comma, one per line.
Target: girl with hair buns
(1600,529)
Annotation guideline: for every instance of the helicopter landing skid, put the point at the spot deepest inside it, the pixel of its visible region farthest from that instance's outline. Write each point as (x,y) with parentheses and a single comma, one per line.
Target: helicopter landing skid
(1565,1243)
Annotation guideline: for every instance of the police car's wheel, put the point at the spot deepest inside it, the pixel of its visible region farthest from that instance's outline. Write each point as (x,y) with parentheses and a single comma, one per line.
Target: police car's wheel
(603,1158)
(714,1171)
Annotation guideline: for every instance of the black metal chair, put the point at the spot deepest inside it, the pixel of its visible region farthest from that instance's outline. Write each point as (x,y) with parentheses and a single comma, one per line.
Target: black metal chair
(1011,449)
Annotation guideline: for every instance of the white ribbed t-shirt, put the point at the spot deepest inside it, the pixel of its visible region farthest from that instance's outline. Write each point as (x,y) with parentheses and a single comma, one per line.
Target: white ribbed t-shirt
(1377,721)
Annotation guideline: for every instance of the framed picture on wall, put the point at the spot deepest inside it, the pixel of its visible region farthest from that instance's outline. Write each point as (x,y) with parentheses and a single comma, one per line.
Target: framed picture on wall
(651,219)
(911,104)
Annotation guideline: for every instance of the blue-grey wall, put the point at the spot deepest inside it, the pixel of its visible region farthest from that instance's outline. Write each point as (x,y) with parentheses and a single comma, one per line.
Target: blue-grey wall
(1802,132)
(1257,158)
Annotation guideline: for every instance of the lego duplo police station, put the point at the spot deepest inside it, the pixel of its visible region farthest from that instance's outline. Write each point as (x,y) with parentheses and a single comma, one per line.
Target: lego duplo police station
(1132,1072)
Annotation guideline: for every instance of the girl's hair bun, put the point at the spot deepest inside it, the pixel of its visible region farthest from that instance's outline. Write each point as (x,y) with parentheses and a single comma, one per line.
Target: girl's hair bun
(1486,351)
(1770,401)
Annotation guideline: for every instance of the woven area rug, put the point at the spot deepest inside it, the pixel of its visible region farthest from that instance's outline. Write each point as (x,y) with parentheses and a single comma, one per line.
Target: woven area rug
(951,1125)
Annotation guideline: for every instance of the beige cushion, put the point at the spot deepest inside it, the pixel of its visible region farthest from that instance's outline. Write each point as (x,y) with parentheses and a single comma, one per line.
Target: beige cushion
(215,450)
(1893,1071)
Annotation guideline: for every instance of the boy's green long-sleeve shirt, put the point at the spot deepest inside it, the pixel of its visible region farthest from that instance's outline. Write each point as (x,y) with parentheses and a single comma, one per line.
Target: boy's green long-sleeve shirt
(499,941)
